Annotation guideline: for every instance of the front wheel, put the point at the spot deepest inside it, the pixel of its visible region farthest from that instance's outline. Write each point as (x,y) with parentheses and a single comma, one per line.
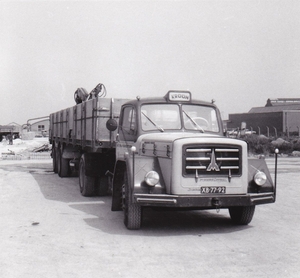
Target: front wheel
(132,211)
(86,183)
(242,215)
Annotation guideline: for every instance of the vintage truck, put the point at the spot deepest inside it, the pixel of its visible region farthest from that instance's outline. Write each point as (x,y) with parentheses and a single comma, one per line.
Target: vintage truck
(169,152)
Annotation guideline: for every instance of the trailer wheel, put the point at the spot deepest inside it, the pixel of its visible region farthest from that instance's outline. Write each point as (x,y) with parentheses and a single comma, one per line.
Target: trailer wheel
(62,165)
(54,161)
(102,185)
(64,170)
(58,160)
(242,215)
(132,212)
(86,183)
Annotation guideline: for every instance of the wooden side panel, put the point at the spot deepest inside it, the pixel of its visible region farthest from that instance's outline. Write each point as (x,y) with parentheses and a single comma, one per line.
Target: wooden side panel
(78,121)
(85,123)
(89,119)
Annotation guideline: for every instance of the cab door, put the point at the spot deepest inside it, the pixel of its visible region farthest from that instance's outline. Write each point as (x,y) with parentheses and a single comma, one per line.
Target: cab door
(127,130)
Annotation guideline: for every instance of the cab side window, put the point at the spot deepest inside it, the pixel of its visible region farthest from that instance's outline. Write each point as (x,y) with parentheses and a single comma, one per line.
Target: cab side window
(128,124)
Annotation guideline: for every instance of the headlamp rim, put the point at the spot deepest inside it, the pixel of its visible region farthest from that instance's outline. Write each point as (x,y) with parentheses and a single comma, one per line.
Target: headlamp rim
(260,178)
(151,178)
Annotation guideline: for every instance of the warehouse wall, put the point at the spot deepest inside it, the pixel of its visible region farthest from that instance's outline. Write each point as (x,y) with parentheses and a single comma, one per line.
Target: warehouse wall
(291,121)
(39,126)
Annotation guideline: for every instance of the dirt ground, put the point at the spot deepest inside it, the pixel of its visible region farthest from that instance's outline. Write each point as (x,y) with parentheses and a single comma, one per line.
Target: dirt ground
(49,230)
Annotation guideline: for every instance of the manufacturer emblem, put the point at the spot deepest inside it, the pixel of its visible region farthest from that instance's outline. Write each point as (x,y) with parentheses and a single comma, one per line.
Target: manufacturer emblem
(213,166)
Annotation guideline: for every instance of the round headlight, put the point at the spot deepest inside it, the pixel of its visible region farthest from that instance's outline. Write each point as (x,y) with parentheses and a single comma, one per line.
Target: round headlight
(260,178)
(152,178)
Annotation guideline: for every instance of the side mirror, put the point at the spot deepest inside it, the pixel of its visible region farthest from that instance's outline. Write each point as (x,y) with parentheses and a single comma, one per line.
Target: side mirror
(111,125)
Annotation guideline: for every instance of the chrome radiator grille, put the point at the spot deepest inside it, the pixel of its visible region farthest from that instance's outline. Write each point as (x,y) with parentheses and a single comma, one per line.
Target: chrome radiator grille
(212,160)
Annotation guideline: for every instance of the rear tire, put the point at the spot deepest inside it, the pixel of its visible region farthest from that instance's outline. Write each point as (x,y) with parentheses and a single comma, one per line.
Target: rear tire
(102,185)
(63,165)
(57,158)
(54,161)
(132,211)
(86,183)
(242,215)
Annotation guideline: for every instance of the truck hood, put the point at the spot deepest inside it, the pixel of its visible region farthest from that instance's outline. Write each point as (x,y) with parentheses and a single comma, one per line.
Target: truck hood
(162,144)
(171,137)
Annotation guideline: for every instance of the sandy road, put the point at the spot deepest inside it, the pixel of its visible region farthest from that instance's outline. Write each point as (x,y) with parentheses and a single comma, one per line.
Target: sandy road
(49,230)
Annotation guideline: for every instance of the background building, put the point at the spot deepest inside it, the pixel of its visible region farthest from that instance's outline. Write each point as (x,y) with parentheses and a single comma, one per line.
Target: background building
(12,129)
(279,116)
(40,128)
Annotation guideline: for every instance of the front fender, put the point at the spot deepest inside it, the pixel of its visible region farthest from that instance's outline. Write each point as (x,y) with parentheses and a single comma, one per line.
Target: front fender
(254,165)
(142,165)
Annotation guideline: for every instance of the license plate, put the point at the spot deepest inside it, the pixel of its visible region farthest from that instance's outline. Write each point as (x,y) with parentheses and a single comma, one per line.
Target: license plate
(213,189)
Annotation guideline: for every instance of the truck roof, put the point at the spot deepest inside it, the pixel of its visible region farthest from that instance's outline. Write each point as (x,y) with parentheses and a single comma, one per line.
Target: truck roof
(166,99)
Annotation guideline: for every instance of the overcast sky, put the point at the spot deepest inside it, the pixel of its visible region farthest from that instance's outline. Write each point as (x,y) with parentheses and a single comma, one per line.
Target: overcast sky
(239,53)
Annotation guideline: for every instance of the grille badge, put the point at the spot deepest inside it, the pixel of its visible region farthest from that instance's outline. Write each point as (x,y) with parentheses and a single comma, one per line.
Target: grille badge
(213,166)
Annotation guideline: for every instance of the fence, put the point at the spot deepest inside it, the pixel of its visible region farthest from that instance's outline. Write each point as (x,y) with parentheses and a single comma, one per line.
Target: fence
(269,131)
(26,156)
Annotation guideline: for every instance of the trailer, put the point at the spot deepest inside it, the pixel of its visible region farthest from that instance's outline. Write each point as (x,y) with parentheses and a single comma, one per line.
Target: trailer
(167,152)
(83,139)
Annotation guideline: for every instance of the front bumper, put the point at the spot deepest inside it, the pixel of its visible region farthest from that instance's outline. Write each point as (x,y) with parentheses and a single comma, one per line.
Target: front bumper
(204,201)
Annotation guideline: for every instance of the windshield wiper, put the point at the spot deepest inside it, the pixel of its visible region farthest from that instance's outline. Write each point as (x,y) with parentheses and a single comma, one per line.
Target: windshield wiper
(193,122)
(158,127)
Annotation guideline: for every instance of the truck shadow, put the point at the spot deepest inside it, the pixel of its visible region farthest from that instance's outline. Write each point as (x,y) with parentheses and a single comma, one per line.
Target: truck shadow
(204,221)
(155,222)
(170,223)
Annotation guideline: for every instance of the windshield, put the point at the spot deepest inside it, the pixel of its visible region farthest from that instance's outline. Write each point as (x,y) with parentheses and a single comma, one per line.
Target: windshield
(162,117)
(203,118)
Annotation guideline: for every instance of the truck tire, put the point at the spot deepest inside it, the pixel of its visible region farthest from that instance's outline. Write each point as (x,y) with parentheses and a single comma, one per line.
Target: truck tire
(62,165)
(117,202)
(102,185)
(242,215)
(64,170)
(54,161)
(57,158)
(86,183)
(132,212)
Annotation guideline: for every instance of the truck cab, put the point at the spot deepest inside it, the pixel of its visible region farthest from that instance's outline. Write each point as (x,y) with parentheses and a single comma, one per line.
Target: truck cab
(171,152)
(168,115)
